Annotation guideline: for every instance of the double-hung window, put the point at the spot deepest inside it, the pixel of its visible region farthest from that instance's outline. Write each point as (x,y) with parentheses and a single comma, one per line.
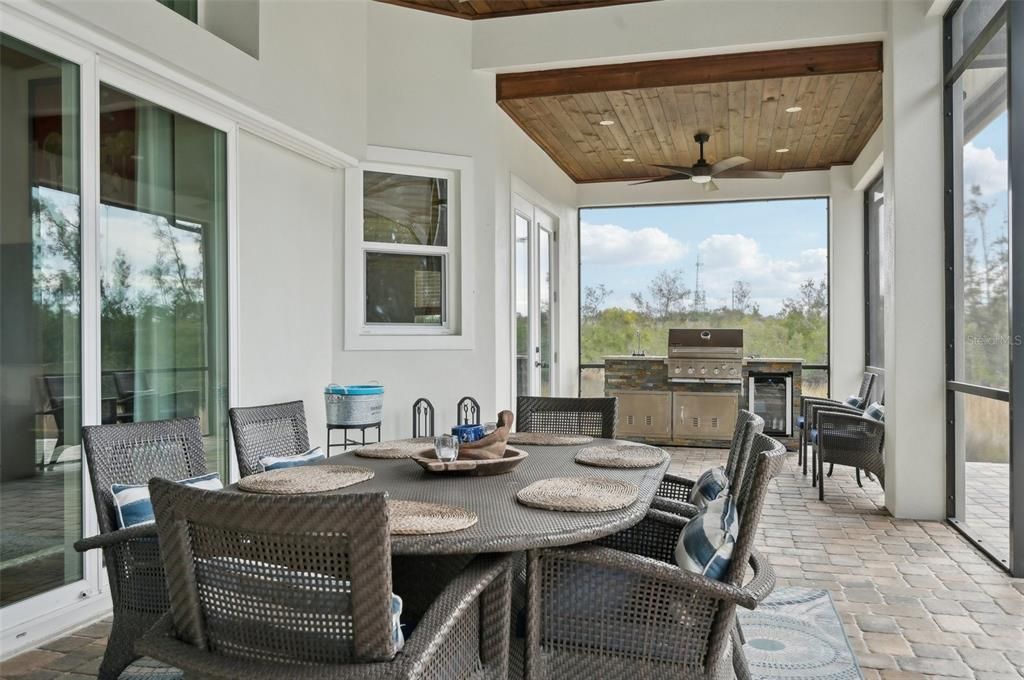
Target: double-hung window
(405,242)
(405,248)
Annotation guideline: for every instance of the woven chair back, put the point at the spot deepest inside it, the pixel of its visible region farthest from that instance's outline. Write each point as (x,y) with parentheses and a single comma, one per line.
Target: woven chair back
(867,383)
(134,453)
(593,417)
(764,463)
(285,579)
(271,430)
(747,425)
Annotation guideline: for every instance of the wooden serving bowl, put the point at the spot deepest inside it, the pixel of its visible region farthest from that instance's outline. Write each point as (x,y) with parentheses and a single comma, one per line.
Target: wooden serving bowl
(474,468)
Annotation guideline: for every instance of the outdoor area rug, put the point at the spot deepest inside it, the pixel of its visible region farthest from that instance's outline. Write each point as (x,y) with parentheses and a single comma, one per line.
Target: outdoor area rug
(797,633)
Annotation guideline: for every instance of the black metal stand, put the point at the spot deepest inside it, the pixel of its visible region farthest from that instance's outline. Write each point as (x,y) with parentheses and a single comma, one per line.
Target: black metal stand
(346,441)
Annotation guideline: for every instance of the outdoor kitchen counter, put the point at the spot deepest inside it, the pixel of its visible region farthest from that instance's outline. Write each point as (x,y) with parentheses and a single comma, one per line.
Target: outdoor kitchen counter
(654,410)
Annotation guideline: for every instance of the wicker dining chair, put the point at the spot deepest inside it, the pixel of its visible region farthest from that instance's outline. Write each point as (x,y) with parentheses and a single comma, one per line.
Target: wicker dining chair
(300,586)
(271,430)
(467,411)
(593,416)
(677,488)
(806,419)
(621,608)
(845,438)
(134,453)
(422,418)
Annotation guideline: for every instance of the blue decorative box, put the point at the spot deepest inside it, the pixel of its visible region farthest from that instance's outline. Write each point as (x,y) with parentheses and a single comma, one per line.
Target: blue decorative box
(468,433)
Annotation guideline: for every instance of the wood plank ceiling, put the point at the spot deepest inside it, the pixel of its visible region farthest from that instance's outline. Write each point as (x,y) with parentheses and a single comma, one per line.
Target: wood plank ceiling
(740,100)
(491,9)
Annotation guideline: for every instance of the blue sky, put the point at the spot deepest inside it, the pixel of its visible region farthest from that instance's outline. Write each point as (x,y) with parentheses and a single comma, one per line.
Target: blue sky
(985,165)
(772,245)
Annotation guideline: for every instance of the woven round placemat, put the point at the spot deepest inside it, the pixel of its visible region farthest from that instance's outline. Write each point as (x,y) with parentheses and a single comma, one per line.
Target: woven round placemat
(305,479)
(622,456)
(400,448)
(579,494)
(546,439)
(412,518)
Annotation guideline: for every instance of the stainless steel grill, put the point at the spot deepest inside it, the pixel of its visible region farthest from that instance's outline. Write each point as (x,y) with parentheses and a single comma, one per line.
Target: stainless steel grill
(712,356)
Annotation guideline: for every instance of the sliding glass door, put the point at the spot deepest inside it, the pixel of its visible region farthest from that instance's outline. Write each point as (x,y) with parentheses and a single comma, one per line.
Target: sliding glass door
(40,322)
(163,267)
(114,218)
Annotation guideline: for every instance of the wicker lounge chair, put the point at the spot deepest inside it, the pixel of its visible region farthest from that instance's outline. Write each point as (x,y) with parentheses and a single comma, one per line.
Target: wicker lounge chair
(300,586)
(133,453)
(806,420)
(594,417)
(272,430)
(846,438)
(621,608)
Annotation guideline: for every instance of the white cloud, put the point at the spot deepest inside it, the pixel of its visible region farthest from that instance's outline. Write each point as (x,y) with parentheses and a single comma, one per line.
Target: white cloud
(733,257)
(612,244)
(984,169)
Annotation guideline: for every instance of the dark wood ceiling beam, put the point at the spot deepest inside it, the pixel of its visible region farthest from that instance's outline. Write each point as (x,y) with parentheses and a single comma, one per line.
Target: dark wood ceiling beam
(494,9)
(831,59)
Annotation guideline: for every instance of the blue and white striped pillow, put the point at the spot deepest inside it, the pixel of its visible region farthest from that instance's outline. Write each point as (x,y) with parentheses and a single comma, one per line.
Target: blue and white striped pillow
(706,543)
(281,462)
(854,401)
(709,486)
(133,503)
(397,638)
(875,411)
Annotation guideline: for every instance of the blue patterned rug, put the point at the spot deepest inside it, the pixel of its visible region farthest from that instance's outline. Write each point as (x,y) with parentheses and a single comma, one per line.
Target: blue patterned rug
(797,633)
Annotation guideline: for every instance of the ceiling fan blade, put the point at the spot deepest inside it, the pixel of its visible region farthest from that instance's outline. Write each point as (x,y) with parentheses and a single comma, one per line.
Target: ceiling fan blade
(710,186)
(681,169)
(728,164)
(666,178)
(750,174)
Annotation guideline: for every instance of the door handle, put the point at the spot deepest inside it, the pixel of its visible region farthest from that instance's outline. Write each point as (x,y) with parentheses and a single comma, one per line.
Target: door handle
(540,364)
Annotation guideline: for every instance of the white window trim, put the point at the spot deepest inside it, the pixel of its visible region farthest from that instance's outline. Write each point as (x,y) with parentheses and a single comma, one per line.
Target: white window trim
(457,332)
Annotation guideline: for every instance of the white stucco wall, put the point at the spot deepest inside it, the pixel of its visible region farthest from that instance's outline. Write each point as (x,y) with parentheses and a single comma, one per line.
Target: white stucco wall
(311,71)
(286,292)
(429,99)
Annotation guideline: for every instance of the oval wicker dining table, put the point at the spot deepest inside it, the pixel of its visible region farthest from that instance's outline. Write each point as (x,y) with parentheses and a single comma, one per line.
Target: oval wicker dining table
(504,525)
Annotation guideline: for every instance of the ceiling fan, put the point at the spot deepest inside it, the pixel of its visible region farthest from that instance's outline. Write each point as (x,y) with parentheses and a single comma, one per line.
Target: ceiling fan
(705,173)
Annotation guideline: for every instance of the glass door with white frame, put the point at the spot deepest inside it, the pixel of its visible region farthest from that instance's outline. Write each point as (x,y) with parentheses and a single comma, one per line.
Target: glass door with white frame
(113,300)
(163,267)
(40,322)
(536,294)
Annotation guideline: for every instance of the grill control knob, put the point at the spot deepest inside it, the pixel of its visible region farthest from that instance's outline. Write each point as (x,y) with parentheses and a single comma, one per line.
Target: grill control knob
(716,371)
(678,370)
(690,370)
(732,371)
(703,371)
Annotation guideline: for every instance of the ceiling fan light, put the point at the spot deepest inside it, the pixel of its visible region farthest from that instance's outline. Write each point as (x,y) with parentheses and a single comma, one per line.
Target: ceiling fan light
(701,179)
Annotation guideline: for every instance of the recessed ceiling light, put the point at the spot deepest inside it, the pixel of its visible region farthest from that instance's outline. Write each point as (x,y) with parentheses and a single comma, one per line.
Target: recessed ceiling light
(628,160)
(606,122)
(794,109)
(782,150)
